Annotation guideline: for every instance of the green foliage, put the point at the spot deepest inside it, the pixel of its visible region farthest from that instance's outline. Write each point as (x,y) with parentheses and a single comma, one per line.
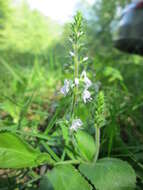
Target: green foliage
(113,74)
(100,111)
(12,109)
(64,177)
(104,16)
(24,35)
(15,153)
(4,12)
(86,145)
(110,174)
(31,105)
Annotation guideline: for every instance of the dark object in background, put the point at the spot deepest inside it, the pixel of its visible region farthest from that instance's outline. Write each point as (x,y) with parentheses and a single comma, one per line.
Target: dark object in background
(129,36)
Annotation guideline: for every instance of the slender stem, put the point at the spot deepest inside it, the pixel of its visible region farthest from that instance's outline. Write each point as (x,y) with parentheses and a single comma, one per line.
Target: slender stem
(35,177)
(68,162)
(76,65)
(97,141)
(50,151)
(76,61)
(63,155)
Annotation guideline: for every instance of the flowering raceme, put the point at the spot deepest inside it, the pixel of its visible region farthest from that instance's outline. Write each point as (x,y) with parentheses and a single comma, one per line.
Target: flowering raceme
(86,95)
(80,85)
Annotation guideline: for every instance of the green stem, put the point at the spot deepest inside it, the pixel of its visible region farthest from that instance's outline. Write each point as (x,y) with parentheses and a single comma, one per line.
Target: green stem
(97,141)
(76,67)
(76,61)
(50,151)
(63,155)
(68,162)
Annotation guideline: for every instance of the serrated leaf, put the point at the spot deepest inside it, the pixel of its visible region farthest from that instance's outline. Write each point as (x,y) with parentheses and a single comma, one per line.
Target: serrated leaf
(64,177)
(86,145)
(15,153)
(110,174)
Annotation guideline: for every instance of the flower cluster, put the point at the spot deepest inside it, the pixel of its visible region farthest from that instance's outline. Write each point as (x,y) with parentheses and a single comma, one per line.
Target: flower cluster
(76,124)
(86,95)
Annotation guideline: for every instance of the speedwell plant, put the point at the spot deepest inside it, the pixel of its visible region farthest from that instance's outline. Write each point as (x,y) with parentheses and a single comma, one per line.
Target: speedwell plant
(66,156)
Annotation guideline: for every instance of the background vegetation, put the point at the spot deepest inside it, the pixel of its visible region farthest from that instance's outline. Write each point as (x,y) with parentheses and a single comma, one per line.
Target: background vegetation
(33,62)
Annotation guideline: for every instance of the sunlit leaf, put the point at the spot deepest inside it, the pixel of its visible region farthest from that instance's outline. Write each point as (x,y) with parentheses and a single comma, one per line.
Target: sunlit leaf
(15,153)
(64,177)
(110,174)
(86,145)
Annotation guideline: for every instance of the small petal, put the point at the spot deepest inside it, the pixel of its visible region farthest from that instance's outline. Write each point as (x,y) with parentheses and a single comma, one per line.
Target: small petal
(72,54)
(80,33)
(65,89)
(83,74)
(86,96)
(85,59)
(76,124)
(87,81)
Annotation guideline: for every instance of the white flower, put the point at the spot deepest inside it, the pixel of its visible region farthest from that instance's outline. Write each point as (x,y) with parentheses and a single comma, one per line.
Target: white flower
(83,74)
(87,81)
(76,80)
(65,89)
(86,96)
(76,124)
(85,59)
(72,54)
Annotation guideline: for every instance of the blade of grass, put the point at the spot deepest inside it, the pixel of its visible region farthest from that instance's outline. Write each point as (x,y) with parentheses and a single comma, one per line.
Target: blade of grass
(50,151)
(11,70)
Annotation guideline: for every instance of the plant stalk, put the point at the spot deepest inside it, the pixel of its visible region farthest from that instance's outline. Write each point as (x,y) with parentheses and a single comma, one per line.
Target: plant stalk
(50,151)
(76,65)
(68,162)
(97,141)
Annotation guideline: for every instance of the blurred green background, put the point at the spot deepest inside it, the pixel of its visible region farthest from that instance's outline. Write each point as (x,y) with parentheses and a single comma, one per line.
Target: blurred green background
(34,60)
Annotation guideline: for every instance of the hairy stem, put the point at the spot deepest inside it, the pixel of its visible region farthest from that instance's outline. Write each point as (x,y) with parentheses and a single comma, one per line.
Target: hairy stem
(76,61)
(97,141)
(68,162)
(76,67)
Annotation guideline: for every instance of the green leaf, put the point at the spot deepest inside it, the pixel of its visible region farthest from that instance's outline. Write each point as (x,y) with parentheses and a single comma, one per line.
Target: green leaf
(45,184)
(86,145)
(15,153)
(110,174)
(64,177)
(113,74)
(65,132)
